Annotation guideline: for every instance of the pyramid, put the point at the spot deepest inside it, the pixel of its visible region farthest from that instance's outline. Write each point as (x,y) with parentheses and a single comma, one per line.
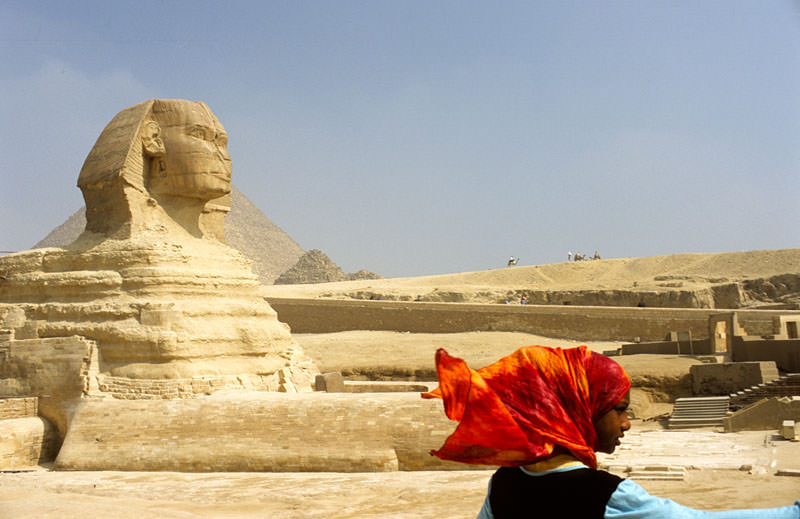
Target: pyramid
(247,229)
(316,267)
(313,267)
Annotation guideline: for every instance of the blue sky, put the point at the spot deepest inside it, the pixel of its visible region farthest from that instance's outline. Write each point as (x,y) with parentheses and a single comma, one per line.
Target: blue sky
(413,138)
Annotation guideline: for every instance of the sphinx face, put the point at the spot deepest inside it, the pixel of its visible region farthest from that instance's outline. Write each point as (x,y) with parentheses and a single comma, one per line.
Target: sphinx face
(196,163)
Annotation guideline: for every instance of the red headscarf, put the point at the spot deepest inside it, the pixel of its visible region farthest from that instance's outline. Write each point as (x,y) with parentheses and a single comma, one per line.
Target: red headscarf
(515,411)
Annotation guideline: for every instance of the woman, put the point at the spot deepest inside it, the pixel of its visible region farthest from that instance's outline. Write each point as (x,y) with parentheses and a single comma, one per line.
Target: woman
(541,414)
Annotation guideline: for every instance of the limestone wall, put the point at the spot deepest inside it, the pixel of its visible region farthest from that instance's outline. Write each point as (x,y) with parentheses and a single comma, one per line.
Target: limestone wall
(729,377)
(25,438)
(768,413)
(24,407)
(697,347)
(585,322)
(57,370)
(785,352)
(126,388)
(259,432)
(25,442)
(62,370)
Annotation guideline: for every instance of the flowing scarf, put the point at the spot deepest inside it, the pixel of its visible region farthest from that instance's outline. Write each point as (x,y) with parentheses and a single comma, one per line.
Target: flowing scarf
(517,410)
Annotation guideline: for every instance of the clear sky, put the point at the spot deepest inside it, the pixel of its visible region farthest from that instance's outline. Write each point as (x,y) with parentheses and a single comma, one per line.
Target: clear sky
(425,137)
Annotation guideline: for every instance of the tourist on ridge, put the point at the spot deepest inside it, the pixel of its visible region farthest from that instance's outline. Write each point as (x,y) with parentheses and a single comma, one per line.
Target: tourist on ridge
(541,414)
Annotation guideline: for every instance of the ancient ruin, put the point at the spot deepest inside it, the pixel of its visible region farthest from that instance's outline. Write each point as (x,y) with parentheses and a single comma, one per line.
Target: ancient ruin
(149,344)
(148,302)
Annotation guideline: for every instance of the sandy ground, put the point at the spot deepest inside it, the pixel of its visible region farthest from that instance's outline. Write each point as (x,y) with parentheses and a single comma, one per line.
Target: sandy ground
(138,495)
(415,351)
(383,355)
(387,352)
(43,493)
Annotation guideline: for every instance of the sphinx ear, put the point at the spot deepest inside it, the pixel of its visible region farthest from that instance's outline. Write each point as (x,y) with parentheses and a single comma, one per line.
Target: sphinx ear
(151,139)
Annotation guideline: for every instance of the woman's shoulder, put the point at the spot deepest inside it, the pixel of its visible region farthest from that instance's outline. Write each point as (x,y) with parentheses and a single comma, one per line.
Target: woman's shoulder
(510,487)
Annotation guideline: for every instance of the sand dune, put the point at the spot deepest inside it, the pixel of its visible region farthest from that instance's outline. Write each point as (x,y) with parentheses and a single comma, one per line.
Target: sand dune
(767,276)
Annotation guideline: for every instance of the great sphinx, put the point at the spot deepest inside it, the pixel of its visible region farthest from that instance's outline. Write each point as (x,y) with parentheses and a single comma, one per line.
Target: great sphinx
(162,307)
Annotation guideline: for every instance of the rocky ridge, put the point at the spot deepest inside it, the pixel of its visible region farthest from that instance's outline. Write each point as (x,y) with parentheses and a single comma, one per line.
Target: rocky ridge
(750,279)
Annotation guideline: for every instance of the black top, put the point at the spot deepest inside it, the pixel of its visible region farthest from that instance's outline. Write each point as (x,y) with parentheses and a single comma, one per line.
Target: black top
(580,493)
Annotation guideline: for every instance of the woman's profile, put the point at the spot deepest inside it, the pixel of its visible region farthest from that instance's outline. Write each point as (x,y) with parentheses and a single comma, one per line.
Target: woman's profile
(542,414)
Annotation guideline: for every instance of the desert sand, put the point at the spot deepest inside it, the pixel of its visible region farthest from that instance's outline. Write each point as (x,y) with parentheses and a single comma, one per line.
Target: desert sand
(767,276)
(441,495)
(379,354)
(726,471)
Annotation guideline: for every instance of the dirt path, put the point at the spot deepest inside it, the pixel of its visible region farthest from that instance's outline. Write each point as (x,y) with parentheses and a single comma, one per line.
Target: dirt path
(441,495)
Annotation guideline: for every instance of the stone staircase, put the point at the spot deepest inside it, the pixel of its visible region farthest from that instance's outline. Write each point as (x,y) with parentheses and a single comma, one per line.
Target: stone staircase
(649,472)
(658,473)
(787,385)
(698,412)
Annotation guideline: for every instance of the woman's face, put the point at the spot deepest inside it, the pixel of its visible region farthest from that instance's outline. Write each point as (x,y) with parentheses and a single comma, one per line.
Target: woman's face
(612,426)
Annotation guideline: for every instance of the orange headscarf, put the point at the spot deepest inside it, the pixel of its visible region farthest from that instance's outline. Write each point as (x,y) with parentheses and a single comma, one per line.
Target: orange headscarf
(515,411)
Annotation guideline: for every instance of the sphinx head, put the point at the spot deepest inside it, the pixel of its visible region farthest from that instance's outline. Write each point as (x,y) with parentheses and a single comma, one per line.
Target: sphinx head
(187,148)
(155,160)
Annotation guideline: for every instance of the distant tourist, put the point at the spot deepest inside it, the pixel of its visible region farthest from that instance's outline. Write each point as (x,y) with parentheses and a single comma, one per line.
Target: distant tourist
(522,300)
(569,256)
(512,261)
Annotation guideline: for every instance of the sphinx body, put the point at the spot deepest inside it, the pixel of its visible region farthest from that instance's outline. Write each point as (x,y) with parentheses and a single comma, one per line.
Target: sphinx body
(156,303)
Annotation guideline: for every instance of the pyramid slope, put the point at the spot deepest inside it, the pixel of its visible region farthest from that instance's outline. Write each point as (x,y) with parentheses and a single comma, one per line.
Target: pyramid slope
(65,233)
(248,230)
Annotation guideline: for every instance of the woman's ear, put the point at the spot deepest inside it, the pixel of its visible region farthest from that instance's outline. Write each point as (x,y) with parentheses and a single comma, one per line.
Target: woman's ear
(151,139)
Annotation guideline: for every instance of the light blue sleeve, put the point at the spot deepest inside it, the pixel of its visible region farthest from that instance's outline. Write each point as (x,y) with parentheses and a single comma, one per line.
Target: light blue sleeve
(631,501)
(486,509)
